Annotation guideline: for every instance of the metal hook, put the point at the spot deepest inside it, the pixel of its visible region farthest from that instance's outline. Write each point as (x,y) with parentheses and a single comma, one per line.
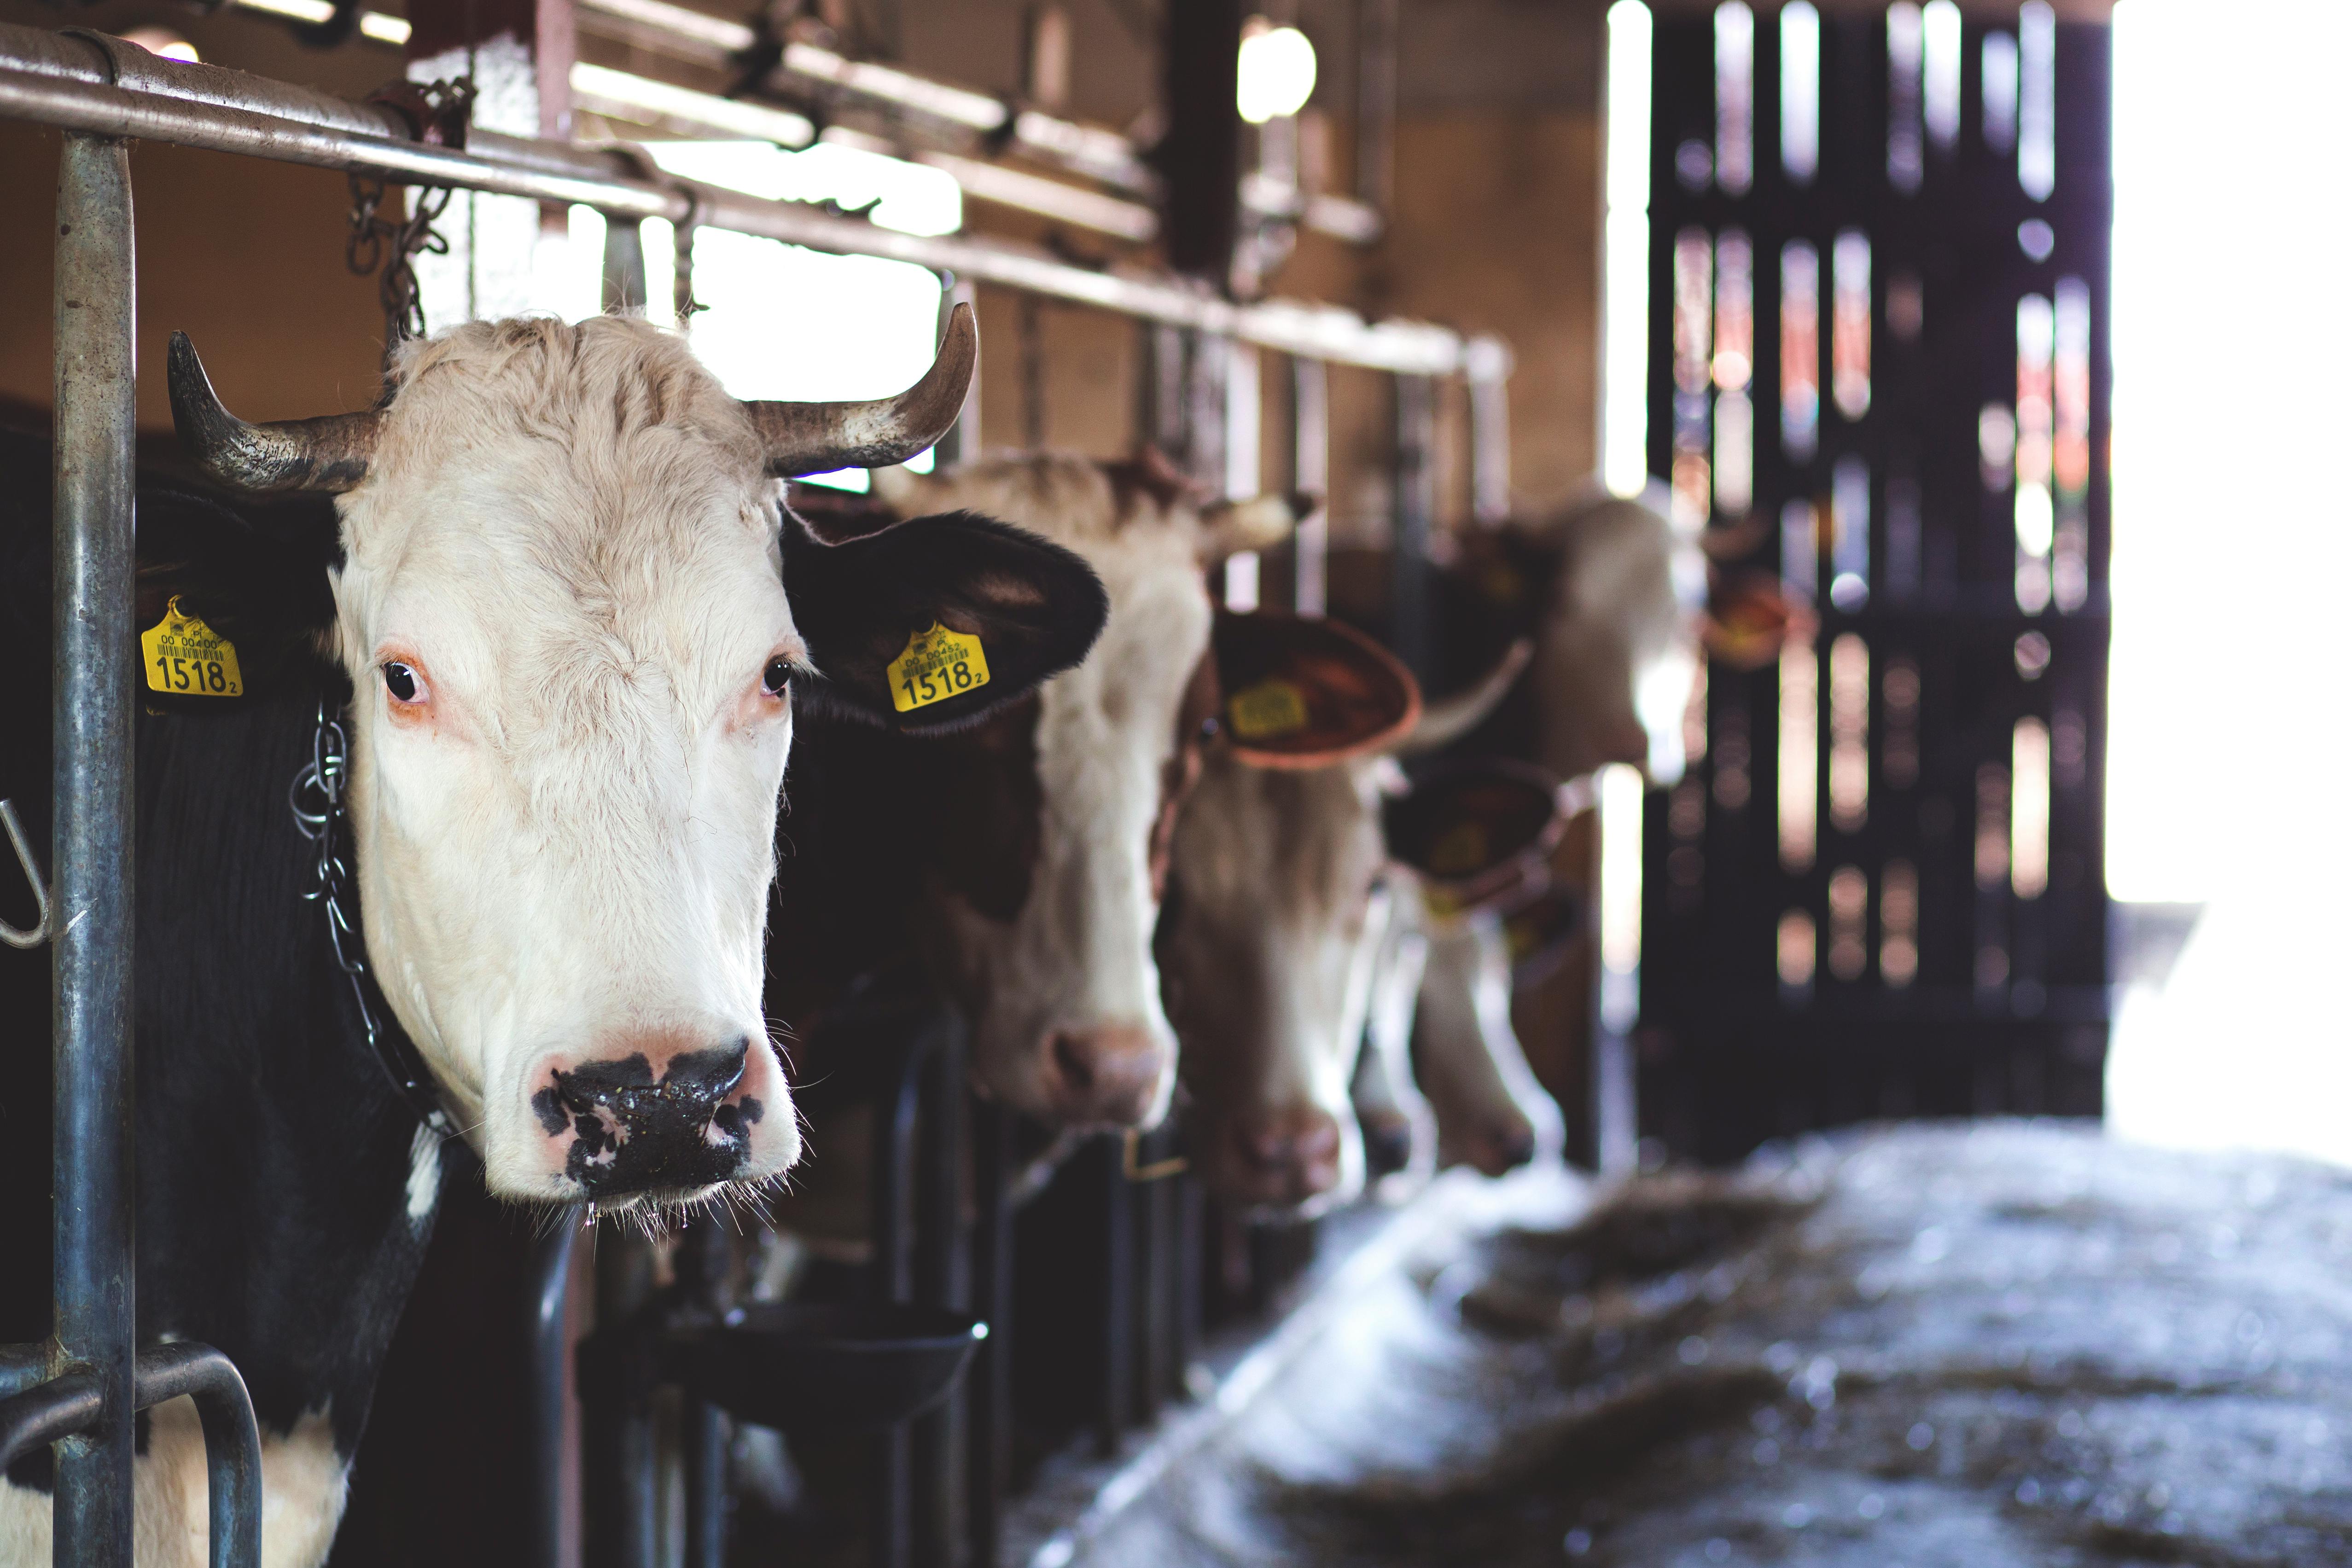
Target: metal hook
(1131,1167)
(40,931)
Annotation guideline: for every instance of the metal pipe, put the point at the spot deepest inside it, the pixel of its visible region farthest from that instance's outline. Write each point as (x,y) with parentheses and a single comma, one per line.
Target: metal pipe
(1311,474)
(44,1413)
(201,106)
(1487,370)
(94,681)
(232,1442)
(1415,504)
(546,1327)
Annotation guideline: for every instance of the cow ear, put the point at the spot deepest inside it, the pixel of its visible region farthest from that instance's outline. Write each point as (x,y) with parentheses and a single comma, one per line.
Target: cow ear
(232,601)
(938,621)
(1479,832)
(1304,692)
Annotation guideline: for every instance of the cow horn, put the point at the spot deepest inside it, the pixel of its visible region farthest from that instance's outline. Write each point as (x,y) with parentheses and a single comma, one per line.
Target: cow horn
(818,437)
(328,454)
(1448,720)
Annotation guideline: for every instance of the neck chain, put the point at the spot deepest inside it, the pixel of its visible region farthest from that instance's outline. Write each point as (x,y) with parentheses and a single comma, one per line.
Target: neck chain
(316,798)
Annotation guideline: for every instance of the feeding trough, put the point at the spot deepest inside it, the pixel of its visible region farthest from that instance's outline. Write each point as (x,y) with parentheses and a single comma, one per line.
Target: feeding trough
(857,1366)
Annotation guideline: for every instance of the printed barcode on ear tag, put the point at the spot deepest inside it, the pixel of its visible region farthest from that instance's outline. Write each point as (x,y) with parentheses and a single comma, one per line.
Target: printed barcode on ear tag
(1267,708)
(186,657)
(938,664)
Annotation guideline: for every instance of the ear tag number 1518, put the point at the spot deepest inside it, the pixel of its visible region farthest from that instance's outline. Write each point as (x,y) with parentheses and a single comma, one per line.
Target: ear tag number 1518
(938,664)
(186,657)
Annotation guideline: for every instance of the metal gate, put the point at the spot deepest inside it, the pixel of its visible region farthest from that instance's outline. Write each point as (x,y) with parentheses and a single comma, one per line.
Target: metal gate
(1878,376)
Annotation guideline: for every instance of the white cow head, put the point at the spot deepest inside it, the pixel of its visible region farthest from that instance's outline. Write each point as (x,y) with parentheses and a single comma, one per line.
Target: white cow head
(1276,906)
(572,613)
(1043,920)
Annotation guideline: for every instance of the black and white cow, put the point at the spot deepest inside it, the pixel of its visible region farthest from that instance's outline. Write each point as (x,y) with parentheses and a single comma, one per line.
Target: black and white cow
(560,613)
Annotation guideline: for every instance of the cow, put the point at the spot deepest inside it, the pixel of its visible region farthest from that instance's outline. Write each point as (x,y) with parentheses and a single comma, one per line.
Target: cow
(1279,899)
(1018,866)
(525,643)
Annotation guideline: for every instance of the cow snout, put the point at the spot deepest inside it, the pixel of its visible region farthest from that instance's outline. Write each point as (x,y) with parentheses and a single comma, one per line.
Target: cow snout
(1287,1159)
(1388,1141)
(1499,1148)
(654,1121)
(1105,1076)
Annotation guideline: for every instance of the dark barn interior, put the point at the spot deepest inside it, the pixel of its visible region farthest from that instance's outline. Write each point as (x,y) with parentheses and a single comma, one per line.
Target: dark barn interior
(1161,783)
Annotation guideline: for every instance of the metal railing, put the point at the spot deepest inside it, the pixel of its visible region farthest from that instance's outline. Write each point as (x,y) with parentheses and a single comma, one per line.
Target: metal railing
(81,1389)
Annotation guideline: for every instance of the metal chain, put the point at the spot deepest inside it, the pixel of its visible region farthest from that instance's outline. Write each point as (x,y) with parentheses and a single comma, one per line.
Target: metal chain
(316,798)
(389,246)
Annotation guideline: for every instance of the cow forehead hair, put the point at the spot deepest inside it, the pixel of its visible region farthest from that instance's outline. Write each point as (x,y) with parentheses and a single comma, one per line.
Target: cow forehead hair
(1299,840)
(612,408)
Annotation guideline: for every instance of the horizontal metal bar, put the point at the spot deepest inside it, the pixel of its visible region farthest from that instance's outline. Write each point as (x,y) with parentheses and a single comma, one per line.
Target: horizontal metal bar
(45,1412)
(56,81)
(675,30)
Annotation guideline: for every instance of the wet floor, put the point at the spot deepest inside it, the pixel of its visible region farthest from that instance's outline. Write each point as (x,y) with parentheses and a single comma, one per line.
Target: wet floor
(1927,1347)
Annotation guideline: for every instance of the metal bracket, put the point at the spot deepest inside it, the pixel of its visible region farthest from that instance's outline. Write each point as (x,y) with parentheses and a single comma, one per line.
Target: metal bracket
(40,931)
(1157,1170)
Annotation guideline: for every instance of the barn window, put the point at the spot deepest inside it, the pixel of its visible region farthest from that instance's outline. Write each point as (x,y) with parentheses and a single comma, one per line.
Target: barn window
(784,323)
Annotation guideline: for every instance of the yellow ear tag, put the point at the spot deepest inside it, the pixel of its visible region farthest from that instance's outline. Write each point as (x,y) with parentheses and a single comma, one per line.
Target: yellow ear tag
(187,658)
(938,664)
(1267,708)
(1459,850)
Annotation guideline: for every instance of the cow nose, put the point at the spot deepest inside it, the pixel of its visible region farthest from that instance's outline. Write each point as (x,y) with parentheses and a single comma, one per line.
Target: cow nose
(1501,1148)
(1107,1075)
(1290,1156)
(634,1127)
(1387,1141)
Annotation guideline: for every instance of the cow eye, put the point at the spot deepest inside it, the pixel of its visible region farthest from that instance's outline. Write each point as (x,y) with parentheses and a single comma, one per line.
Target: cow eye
(776,678)
(402,683)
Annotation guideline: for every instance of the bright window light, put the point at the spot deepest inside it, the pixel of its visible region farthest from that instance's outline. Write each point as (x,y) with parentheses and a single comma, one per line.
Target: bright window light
(1625,255)
(1620,789)
(1275,73)
(782,322)
(2220,789)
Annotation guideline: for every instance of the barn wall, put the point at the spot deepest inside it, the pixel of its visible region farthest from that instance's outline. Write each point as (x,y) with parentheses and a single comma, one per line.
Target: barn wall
(245,257)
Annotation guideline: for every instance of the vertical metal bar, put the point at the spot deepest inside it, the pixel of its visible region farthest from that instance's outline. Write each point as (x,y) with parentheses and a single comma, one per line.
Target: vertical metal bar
(1490,365)
(547,1328)
(893,1184)
(92,791)
(1376,98)
(1202,433)
(1117,1407)
(1415,513)
(621,1526)
(939,1282)
(1311,474)
(1241,419)
(991,1379)
(704,1434)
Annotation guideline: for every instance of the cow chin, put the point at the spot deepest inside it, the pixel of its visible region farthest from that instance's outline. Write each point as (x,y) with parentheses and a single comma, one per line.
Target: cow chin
(663,1118)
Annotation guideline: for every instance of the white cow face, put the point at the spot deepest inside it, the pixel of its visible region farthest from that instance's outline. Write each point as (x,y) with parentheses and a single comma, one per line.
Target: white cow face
(1050,947)
(562,608)
(563,615)
(1277,908)
(1268,949)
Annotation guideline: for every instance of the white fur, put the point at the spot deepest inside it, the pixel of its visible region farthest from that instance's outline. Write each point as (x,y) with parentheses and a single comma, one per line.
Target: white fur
(574,855)
(1383,1088)
(1274,956)
(1618,648)
(1484,1095)
(423,1176)
(1079,955)
(303,1483)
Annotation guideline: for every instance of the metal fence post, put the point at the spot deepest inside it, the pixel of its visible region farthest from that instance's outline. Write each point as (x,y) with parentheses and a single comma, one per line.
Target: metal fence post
(94,674)
(1415,516)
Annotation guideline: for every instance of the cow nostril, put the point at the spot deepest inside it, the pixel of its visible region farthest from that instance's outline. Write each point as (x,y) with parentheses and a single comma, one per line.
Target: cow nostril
(1076,1061)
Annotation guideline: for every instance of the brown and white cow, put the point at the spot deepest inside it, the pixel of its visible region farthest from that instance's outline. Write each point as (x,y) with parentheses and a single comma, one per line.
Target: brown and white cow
(1278,901)
(1024,854)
